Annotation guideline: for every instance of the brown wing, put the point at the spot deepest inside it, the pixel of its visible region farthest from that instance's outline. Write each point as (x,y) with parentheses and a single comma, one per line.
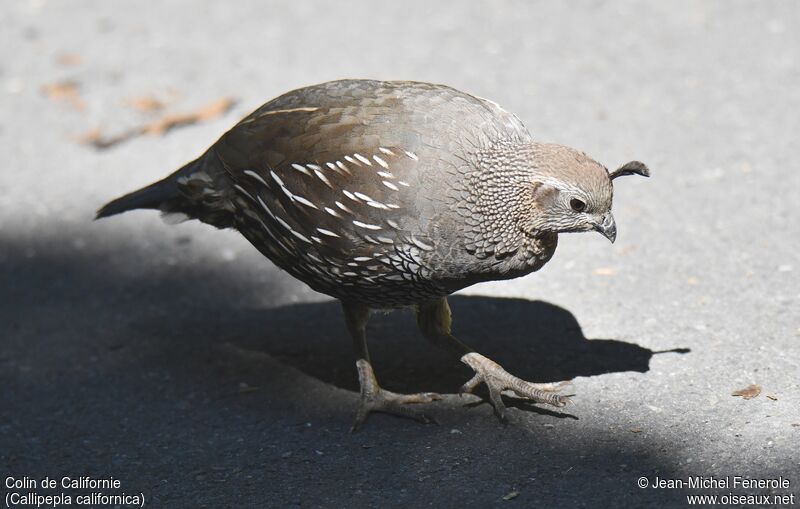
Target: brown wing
(342,174)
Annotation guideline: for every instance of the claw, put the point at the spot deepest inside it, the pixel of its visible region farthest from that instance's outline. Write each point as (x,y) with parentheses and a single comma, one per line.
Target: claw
(470,385)
(375,399)
(497,380)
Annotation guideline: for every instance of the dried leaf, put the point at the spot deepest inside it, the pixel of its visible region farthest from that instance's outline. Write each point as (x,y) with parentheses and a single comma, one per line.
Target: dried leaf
(605,271)
(146,104)
(207,112)
(636,430)
(90,137)
(749,392)
(66,91)
(160,126)
(60,90)
(772,397)
(95,138)
(69,59)
(511,496)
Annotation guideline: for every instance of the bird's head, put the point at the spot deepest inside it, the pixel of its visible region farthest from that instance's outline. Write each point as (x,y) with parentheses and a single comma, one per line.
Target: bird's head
(571,192)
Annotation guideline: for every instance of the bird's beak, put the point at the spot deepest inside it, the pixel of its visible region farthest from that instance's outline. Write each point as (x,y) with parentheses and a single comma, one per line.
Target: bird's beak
(607,227)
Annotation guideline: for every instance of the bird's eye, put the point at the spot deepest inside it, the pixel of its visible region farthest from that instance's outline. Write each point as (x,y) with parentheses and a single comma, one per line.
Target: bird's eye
(577,205)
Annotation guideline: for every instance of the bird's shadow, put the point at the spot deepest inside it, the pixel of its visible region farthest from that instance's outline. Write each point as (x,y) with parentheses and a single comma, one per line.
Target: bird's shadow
(534,340)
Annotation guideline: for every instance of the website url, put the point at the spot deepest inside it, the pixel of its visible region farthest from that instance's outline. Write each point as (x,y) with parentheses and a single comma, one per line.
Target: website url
(731,499)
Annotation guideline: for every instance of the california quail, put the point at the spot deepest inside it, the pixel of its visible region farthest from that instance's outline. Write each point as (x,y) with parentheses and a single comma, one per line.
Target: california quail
(391,194)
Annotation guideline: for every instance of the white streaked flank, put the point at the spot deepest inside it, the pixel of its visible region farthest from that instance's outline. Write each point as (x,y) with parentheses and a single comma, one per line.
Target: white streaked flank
(283,223)
(305,202)
(344,207)
(255,175)
(390,185)
(380,161)
(342,167)
(242,190)
(362,159)
(276,178)
(300,236)
(328,232)
(323,178)
(377,205)
(367,225)
(350,195)
(363,196)
(301,168)
(412,155)
(333,212)
(264,206)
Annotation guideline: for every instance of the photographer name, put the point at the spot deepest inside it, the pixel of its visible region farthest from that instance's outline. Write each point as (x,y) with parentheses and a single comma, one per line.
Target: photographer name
(728,482)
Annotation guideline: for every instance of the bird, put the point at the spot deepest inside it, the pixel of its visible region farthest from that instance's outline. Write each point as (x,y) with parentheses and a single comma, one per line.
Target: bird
(394,194)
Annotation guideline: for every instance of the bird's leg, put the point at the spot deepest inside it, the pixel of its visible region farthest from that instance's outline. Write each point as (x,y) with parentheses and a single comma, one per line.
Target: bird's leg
(373,398)
(434,320)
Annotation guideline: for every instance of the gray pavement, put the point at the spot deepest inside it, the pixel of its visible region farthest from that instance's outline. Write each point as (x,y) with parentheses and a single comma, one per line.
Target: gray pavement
(179,361)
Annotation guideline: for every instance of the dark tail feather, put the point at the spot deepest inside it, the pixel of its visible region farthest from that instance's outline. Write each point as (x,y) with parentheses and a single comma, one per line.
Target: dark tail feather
(200,195)
(162,195)
(155,196)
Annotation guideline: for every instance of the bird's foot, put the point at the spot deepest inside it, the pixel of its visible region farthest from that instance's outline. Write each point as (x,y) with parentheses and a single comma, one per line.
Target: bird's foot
(498,380)
(375,399)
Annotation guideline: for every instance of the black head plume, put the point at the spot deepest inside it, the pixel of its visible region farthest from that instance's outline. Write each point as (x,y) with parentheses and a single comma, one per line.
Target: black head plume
(631,168)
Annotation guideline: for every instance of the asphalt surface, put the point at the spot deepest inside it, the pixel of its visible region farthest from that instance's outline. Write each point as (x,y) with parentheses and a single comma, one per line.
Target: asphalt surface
(179,361)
